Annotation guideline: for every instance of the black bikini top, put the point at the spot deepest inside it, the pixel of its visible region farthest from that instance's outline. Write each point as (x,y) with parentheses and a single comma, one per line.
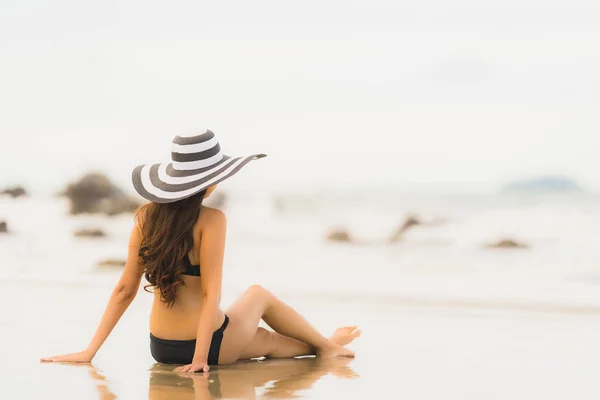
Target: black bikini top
(193,270)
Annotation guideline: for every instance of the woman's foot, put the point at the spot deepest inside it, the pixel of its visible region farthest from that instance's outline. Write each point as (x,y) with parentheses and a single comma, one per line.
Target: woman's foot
(343,336)
(334,350)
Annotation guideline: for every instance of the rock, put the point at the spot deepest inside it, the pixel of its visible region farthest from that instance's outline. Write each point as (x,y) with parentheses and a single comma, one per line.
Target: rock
(3,227)
(409,222)
(339,235)
(93,233)
(14,192)
(111,263)
(507,244)
(119,205)
(86,195)
(95,193)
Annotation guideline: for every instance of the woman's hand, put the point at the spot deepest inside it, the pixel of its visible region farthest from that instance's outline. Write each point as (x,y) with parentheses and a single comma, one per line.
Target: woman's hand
(194,367)
(81,357)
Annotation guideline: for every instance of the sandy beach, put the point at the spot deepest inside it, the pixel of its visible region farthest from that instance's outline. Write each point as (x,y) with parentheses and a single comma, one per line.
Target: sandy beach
(406,351)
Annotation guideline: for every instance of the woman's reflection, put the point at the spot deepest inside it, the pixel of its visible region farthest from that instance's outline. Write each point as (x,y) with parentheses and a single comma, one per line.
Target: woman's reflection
(241,380)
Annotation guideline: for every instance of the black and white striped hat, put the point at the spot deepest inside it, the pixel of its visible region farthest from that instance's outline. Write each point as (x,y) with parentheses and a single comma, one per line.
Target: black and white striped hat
(197,163)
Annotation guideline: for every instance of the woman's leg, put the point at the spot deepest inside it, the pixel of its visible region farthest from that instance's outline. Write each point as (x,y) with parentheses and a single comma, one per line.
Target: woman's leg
(295,336)
(274,345)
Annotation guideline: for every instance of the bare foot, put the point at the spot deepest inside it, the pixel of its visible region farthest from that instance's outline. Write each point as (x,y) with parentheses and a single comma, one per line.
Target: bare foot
(343,336)
(334,350)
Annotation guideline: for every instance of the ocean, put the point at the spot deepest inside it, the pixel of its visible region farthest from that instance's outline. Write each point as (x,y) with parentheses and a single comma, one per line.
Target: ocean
(280,240)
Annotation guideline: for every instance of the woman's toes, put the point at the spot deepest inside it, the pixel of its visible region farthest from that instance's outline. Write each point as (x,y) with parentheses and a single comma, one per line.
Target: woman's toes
(345,335)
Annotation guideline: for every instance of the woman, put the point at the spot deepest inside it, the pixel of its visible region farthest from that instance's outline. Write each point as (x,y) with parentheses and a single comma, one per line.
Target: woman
(178,245)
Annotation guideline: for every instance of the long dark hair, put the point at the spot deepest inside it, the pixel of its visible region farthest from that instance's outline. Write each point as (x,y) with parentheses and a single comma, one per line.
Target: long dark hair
(167,238)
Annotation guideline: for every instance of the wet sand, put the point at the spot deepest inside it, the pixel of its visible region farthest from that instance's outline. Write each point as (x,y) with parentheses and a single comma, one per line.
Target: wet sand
(283,378)
(407,350)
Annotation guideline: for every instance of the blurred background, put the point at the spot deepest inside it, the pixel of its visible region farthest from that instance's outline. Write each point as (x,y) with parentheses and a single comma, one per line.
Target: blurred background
(438,156)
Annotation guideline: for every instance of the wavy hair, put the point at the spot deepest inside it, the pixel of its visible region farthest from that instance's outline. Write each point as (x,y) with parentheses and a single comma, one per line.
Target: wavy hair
(167,238)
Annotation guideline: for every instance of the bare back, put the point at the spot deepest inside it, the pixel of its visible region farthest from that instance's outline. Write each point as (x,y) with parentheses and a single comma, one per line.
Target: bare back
(180,322)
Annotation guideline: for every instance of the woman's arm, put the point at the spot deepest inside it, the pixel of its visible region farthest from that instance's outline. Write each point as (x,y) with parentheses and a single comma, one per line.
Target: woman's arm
(212,250)
(122,296)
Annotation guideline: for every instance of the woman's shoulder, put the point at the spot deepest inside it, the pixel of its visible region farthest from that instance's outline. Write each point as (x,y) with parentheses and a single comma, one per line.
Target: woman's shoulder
(211,216)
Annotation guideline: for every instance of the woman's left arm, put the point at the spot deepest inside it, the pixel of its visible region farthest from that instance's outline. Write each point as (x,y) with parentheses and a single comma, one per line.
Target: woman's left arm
(122,296)
(212,250)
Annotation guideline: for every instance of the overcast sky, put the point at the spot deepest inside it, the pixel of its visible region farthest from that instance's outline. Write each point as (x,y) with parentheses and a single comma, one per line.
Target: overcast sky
(433,92)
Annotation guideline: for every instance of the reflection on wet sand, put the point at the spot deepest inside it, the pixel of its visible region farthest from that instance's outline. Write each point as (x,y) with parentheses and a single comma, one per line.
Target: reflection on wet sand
(104,392)
(286,377)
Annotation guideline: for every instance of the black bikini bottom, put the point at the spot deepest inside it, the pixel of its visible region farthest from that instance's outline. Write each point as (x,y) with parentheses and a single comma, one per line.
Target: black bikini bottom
(182,351)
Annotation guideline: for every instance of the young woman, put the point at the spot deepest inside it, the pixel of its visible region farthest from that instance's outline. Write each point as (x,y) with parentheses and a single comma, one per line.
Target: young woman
(178,245)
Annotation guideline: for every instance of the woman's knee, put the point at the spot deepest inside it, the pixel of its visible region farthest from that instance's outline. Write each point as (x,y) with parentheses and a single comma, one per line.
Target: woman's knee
(257,290)
(260,298)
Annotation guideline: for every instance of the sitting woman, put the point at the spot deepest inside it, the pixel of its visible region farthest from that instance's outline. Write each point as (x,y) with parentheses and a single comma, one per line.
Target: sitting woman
(178,245)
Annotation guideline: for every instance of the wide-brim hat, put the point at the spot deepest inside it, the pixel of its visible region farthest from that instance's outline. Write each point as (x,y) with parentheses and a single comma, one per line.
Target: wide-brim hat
(197,163)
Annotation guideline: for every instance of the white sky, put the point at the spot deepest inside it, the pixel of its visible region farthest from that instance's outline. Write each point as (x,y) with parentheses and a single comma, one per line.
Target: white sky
(466,93)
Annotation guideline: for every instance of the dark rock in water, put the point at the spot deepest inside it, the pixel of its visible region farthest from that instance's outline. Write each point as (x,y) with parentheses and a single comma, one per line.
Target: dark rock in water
(86,195)
(95,193)
(3,227)
(507,244)
(544,184)
(339,235)
(119,205)
(14,192)
(409,222)
(93,185)
(111,263)
(93,233)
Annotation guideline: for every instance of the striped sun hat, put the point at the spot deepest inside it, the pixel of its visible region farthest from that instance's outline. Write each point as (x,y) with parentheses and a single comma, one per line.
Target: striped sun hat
(197,163)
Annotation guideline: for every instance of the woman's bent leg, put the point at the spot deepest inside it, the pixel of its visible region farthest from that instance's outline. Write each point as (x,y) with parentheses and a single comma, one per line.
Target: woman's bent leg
(273,345)
(297,336)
